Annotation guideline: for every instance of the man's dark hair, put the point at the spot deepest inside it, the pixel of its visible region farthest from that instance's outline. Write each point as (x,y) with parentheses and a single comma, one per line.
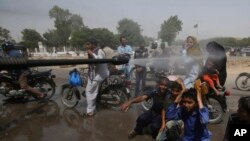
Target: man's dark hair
(162,79)
(244,103)
(93,41)
(191,93)
(122,36)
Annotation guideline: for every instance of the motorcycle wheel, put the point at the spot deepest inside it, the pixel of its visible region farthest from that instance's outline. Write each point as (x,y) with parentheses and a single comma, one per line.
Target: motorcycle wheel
(243,82)
(215,109)
(112,98)
(46,87)
(69,98)
(147,104)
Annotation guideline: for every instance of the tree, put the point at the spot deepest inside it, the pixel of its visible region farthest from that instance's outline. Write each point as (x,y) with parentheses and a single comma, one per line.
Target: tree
(76,23)
(62,23)
(31,38)
(5,35)
(148,40)
(51,38)
(79,38)
(170,29)
(66,24)
(105,37)
(131,30)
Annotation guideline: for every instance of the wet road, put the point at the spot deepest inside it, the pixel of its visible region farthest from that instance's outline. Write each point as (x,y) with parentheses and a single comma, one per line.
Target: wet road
(48,121)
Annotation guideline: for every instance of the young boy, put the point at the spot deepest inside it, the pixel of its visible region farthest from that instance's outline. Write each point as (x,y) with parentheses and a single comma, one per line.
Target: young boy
(151,117)
(171,129)
(189,108)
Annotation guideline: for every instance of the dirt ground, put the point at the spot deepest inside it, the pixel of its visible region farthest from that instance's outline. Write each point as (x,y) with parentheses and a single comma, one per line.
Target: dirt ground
(236,65)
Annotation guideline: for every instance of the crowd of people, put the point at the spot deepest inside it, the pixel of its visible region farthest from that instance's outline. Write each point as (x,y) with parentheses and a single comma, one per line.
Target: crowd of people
(178,111)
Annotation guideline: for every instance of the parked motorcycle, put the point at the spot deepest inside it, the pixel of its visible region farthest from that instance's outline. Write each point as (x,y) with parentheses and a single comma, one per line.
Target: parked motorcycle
(113,91)
(242,81)
(43,81)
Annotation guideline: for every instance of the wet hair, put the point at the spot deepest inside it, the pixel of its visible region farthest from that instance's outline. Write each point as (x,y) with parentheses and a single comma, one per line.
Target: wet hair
(164,79)
(92,41)
(244,103)
(176,85)
(191,93)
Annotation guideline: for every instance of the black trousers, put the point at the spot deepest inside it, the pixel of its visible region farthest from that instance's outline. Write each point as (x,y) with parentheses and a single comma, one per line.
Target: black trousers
(149,118)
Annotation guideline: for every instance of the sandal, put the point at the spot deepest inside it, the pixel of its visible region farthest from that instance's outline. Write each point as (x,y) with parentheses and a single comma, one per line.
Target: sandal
(221,89)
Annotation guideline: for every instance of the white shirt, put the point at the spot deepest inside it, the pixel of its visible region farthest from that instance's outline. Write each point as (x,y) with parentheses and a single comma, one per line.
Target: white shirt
(101,70)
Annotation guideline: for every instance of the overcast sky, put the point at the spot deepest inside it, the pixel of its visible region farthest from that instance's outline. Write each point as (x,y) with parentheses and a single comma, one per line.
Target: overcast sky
(214,17)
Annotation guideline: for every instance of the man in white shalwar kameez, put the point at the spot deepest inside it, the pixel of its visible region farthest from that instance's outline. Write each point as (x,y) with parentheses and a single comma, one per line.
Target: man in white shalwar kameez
(97,73)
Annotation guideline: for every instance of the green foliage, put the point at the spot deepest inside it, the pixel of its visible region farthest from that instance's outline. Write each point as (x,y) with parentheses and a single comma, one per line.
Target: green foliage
(79,38)
(105,37)
(31,38)
(170,29)
(5,35)
(131,30)
(76,23)
(148,40)
(51,38)
(65,23)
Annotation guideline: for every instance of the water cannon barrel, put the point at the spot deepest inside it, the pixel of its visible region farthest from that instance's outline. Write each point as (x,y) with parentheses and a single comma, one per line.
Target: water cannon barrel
(14,63)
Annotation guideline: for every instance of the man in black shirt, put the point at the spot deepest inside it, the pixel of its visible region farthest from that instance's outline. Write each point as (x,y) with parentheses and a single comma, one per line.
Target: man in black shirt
(161,99)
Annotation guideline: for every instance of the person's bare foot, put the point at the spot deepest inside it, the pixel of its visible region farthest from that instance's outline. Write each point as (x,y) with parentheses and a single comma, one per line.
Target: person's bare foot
(217,92)
(43,96)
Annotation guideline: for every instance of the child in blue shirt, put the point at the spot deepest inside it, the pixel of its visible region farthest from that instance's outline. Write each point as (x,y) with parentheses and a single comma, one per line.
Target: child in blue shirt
(189,108)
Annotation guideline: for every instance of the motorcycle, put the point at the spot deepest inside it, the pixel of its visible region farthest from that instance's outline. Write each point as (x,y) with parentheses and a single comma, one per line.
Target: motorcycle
(242,81)
(43,81)
(113,91)
(217,106)
(150,73)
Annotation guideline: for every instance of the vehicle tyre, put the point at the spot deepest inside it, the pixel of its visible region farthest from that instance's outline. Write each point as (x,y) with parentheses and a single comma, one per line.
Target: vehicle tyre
(242,82)
(46,87)
(112,98)
(146,105)
(215,109)
(69,97)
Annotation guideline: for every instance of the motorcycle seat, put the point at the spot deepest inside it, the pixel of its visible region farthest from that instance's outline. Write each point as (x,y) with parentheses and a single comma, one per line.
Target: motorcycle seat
(42,73)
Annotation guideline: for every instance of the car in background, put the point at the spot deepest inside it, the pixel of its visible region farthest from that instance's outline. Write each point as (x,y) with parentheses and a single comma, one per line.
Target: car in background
(246,51)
